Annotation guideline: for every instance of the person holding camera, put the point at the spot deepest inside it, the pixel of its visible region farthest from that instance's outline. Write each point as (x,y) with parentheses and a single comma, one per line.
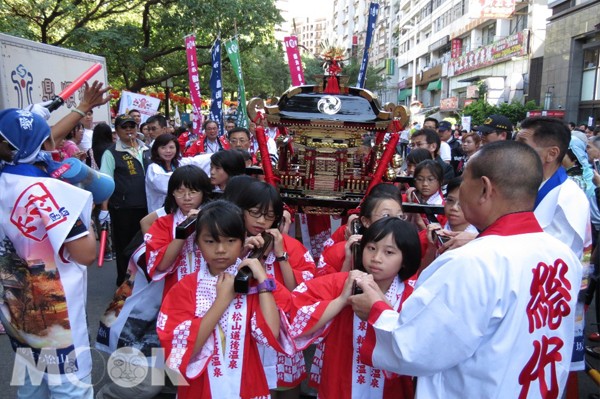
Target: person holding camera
(167,255)
(390,254)
(384,200)
(210,333)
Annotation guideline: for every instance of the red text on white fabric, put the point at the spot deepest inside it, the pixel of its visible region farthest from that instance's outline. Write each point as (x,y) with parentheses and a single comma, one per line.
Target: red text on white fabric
(36,212)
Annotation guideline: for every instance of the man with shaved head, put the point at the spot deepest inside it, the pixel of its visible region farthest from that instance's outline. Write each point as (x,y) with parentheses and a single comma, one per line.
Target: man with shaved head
(478,324)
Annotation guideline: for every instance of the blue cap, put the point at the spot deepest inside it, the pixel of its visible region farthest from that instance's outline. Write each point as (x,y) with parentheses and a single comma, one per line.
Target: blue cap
(445,125)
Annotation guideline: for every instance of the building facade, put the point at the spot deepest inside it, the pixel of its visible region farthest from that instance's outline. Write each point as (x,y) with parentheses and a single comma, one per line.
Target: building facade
(571,65)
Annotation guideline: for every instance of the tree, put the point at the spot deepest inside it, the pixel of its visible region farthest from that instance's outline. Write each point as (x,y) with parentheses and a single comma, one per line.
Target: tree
(264,70)
(142,40)
(479,110)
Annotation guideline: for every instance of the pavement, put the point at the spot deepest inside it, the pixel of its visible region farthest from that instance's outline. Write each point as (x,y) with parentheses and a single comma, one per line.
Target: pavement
(101,287)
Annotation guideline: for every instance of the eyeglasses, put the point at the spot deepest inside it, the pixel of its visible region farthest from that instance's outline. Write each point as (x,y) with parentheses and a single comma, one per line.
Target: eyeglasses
(255,213)
(179,194)
(423,180)
(400,216)
(238,141)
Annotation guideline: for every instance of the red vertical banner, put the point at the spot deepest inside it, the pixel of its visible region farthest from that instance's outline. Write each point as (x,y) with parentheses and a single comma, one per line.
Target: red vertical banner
(456,48)
(194,82)
(294,60)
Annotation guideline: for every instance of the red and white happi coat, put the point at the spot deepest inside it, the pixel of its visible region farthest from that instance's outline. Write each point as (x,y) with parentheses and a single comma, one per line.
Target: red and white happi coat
(494,318)
(281,369)
(336,362)
(227,366)
(158,238)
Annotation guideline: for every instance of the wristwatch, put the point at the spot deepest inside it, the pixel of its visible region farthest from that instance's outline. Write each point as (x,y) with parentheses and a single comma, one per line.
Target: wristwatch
(282,258)
(266,286)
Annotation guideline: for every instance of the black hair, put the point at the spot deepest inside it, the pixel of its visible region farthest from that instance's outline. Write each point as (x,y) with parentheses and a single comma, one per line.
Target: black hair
(417,155)
(430,119)
(380,192)
(237,130)
(549,132)
(433,167)
(261,195)
(221,218)
(206,122)
(162,121)
(180,130)
(236,187)
(245,154)
(453,184)
(232,162)
(189,176)
(102,138)
(161,141)
(405,237)
(133,110)
(431,137)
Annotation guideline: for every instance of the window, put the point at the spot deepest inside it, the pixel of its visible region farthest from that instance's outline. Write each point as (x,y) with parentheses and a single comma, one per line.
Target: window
(488,34)
(466,45)
(519,22)
(590,82)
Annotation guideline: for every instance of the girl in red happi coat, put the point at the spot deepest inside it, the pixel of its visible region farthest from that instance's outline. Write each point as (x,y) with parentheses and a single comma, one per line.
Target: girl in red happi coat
(383,201)
(210,333)
(289,262)
(391,255)
(166,256)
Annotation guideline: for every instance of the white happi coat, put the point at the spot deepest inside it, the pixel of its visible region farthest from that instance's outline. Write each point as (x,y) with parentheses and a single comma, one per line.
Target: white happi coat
(564,213)
(492,319)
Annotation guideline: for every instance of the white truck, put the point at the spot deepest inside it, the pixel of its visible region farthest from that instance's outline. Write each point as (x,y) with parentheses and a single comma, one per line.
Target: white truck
(32,72)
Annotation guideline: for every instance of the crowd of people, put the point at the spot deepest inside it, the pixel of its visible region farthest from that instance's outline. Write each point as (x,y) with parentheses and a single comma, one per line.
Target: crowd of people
(480,301)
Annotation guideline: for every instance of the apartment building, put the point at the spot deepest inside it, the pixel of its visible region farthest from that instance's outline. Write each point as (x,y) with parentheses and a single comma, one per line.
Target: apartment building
(571,64)
(445,50)
(310,32)
(450,47)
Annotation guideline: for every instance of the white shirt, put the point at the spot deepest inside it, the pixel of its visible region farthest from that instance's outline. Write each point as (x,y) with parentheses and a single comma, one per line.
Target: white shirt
(445,151)
(86,140)
(564,213)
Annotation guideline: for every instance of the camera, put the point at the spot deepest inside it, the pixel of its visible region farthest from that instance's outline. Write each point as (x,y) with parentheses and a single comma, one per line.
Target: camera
(356,226)
(356,290)
(186,228)
(440,240)
(241,282)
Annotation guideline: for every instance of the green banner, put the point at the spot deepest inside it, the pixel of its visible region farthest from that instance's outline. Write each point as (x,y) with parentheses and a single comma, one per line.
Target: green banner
(233,51)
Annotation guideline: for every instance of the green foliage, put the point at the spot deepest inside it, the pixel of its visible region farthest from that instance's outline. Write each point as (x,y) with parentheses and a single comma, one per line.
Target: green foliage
(479,110)
(142,40)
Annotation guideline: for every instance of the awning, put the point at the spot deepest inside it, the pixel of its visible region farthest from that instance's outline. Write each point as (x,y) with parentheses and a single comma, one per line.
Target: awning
(475,78)
(435,85)
(404,94)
